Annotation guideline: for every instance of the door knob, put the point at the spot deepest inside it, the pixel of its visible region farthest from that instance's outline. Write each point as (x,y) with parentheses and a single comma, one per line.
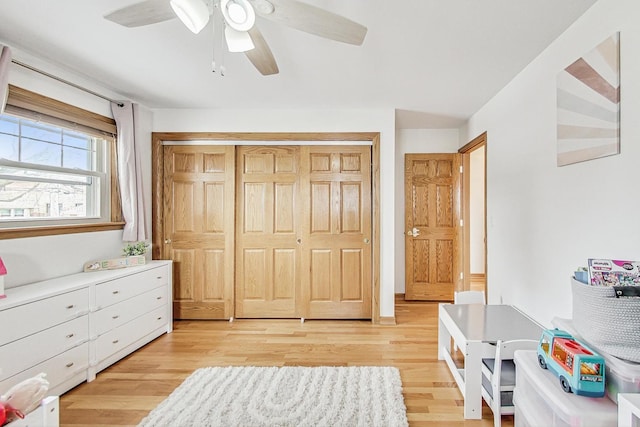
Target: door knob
(167,241)
(413,232)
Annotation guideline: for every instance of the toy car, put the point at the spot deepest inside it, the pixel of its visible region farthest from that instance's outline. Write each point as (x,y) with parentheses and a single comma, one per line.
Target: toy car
(580,369)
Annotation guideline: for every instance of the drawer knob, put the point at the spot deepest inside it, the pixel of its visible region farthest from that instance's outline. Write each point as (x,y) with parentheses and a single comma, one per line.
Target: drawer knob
(159,277)
(159,318)
(70,335)
(116,292)
(115,317)
(69,307)
(115,341)
(158,297)
(70,364)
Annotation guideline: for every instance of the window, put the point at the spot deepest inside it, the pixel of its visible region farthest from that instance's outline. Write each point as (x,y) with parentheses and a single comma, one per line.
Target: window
(55,168)
(51,172)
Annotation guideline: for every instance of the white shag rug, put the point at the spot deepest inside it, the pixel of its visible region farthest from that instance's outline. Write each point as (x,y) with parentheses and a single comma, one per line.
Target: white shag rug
(285,396)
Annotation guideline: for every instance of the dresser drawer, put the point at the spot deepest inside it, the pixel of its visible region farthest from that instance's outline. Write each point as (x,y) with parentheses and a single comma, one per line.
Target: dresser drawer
(58,369)
(28,319)
(118,314)
(117,290)
(119,338)
(34,349)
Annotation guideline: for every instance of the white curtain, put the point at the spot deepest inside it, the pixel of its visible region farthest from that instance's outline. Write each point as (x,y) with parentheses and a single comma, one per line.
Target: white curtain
(5,62)
(129,172)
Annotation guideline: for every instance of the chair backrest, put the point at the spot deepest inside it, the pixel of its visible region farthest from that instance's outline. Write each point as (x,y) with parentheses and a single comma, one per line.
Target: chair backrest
(503,375)
(469,297)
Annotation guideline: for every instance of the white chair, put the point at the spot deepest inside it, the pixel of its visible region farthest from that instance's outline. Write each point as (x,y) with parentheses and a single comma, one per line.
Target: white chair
(499,377)
(467,297)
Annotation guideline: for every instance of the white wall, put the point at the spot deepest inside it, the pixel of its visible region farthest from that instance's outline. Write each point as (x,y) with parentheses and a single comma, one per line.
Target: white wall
(476,211)
(414,141)
(544,220)
(39,258)
(364,120)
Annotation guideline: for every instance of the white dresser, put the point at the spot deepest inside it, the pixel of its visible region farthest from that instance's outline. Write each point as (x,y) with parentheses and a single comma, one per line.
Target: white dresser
(72,327)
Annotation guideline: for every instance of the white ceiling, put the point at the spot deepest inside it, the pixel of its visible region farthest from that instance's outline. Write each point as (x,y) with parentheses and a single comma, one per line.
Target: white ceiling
(435,61)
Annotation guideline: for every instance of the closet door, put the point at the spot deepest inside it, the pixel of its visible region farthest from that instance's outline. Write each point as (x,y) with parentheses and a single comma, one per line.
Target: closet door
(198,214)
(267,232)
(336,234)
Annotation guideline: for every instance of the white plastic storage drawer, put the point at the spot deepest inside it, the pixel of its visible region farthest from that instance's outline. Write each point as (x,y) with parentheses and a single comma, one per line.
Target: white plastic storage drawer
(29,351)
(121,313)
(117,290)
(540,402)
(621,376)
(58,309)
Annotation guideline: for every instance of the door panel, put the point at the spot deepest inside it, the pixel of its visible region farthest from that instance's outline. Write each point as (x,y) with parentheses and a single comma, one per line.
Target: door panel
(336,247)
(199,194)
(268,253)
(432,217)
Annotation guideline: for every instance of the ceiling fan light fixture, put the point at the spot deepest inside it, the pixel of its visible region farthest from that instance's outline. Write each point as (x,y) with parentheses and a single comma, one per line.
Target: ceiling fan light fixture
(238,14)
(238,41)
(194,14)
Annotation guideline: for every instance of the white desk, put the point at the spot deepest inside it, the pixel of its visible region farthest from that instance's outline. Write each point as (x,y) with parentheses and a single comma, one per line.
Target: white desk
(474,327)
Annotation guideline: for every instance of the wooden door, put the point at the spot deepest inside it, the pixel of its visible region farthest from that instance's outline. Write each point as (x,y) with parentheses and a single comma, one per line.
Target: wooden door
(432,218)
(267,245)
(198,214)
(336,234)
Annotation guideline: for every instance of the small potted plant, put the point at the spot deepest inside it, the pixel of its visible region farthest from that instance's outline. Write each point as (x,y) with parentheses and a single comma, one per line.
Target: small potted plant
(134,252)
(135,248)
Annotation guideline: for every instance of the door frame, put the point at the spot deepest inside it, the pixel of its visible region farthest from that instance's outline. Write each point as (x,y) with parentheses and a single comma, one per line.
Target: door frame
(234,138)
(466,150)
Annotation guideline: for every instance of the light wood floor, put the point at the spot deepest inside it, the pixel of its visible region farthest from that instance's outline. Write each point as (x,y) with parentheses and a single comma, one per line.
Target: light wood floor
(124,393)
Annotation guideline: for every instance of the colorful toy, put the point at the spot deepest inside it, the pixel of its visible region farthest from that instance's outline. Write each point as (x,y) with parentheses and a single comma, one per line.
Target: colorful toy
(580,369)
(24,397)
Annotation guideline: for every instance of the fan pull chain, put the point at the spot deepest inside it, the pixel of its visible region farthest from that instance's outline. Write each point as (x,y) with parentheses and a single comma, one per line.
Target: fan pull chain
(217,63)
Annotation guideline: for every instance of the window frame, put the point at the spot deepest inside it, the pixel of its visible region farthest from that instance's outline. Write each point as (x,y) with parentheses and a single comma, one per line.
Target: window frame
(33,106)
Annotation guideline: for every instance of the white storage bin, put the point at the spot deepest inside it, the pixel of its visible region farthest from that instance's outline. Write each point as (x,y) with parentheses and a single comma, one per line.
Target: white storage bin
(621,376)
(540,401)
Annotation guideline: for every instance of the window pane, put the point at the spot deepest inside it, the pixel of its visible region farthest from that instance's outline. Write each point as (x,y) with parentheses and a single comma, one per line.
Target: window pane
(9,147)
(41,153)
(74,158)
(41,131)
(41,200)
(9,125)
(78,140)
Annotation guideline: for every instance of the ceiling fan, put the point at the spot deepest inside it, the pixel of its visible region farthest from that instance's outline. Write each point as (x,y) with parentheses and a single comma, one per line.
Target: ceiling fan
(238,17)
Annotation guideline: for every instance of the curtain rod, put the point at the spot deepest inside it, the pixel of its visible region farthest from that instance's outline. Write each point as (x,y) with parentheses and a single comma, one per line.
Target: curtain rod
(67,82)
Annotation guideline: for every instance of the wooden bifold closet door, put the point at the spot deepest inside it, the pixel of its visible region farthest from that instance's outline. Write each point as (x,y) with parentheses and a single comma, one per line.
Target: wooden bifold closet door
(300,236)
(336,192)
(198,229)
(267,232)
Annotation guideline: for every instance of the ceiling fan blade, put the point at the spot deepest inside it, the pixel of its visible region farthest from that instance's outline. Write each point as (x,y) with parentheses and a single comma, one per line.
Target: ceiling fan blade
(261,56)
(311,19)
(143,13)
